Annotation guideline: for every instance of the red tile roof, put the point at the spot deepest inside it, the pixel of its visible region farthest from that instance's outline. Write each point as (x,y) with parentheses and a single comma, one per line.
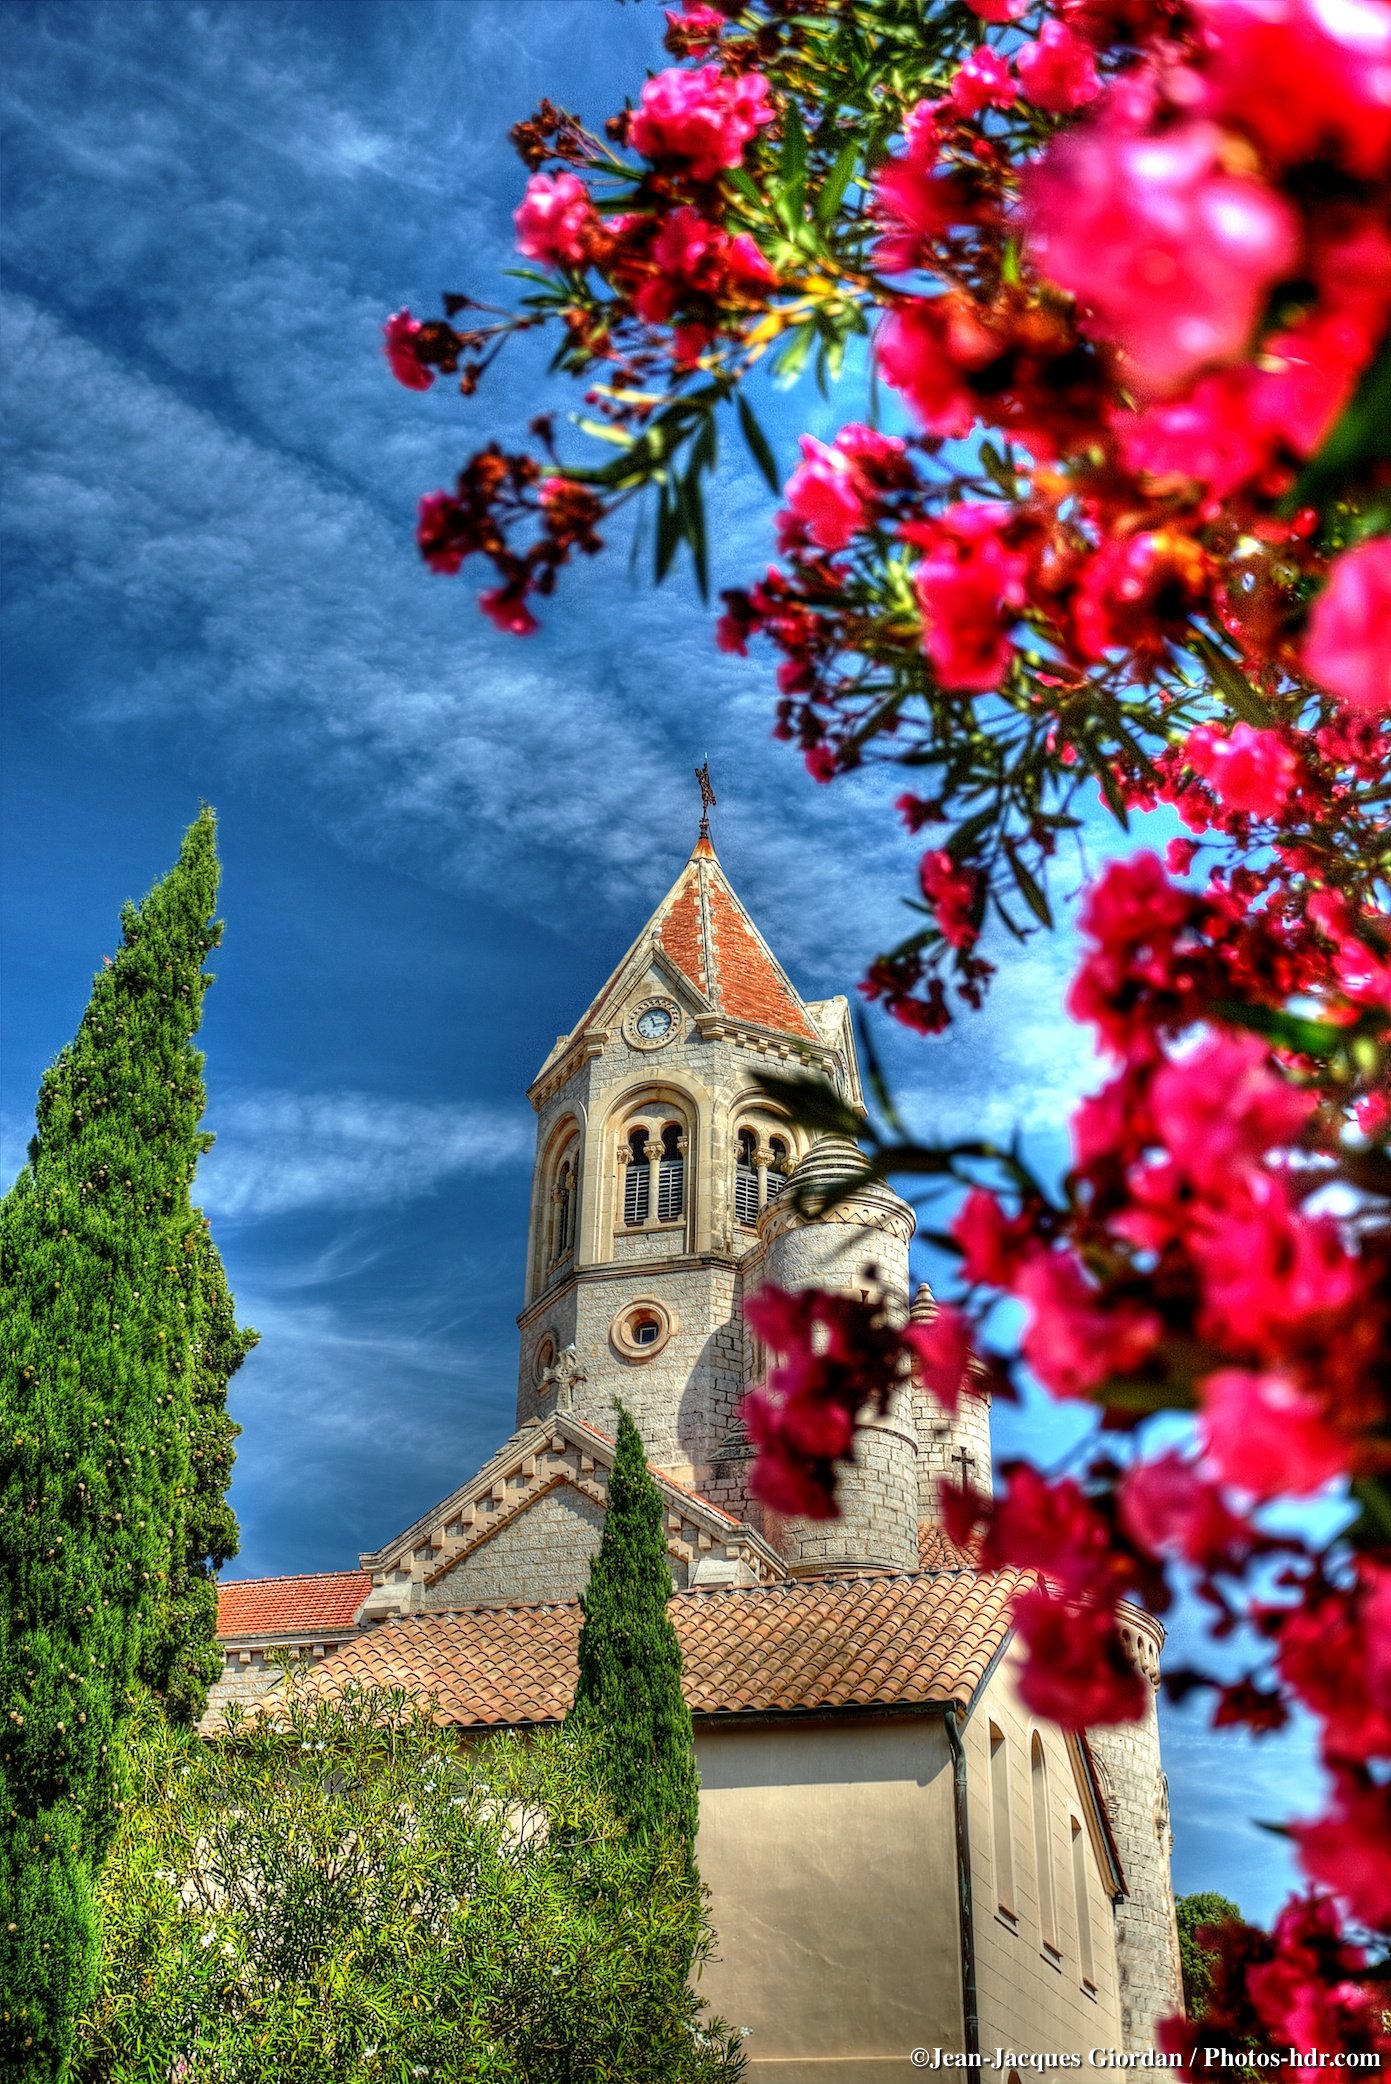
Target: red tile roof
(326,1599)
(827,1643)
(703,929)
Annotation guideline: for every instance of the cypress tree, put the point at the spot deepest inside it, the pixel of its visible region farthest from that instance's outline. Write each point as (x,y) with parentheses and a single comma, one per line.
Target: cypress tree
(181,1656)
(101,1260)
(629,1698)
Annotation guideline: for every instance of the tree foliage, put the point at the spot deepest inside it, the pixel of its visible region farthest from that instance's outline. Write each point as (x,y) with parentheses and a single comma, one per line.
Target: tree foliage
(1194,1914)
(115,1315)
(341,1893)
(628,1701)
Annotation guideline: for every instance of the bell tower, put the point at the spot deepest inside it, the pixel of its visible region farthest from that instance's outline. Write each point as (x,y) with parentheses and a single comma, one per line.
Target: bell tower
(656,1156)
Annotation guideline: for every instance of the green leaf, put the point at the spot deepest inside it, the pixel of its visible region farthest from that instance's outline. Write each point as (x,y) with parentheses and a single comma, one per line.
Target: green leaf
(600,430)
(788,361)
(794,166)
(1232,682)
(1287,1030)
(1030,890)
(812,1102)
(832,191)
(668,534)
(758,442)
(692,505)
(1360,436)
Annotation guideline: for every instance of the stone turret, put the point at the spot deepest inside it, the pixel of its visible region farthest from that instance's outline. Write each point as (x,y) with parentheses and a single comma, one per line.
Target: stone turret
(954,1445)
(858,1244)
(1126,1757)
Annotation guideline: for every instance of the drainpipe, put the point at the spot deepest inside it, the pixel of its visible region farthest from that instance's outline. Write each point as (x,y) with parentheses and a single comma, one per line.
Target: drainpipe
(970,2007)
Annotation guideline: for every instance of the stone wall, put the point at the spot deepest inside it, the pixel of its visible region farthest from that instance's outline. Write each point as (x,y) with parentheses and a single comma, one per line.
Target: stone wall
(250,1669)
(540,1556)
(1128,1766)
(1047,1972)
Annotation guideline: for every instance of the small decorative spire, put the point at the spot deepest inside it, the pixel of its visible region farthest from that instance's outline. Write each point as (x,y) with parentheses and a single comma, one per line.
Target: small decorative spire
(707,798)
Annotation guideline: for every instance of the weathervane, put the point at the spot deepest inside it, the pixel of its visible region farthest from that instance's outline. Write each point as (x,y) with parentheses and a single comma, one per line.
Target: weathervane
(707,798)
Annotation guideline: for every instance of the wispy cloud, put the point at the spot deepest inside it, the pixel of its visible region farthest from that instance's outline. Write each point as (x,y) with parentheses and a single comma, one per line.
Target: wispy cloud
(281,1151)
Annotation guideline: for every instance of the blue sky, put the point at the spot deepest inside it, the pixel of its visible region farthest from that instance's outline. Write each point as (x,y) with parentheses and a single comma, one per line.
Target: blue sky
(436,840)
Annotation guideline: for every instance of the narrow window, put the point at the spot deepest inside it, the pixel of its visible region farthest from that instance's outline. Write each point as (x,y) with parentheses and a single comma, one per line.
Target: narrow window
(746,1179)
(1084,1913)
(1001,1821)
(777,1168)
(565,1208)
(637,1184)
(1043,1846)
(671,1175)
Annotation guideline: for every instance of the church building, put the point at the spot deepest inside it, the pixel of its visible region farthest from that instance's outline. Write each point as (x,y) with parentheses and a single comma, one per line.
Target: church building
(900,1856)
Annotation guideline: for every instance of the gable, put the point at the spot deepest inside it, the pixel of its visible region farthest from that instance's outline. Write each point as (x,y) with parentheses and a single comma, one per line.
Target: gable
(540,1555)
(557,1453)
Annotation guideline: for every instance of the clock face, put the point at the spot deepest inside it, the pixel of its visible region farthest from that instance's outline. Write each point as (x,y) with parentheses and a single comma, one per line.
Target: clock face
(654,1024)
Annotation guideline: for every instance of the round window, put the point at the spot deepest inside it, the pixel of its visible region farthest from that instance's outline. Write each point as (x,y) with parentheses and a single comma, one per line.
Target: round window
(642,1329)
(543,1358)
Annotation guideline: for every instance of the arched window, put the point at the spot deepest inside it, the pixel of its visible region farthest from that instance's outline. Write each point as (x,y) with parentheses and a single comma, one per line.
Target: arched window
(671,1174)
(1084,1912)
(564,1210)
(778,1167)
(746,1179)
(637,1181)
(1001,1822)
(1043,1844)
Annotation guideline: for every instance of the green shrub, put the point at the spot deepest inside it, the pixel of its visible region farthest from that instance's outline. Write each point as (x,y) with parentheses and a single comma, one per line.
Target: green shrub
(353,1895)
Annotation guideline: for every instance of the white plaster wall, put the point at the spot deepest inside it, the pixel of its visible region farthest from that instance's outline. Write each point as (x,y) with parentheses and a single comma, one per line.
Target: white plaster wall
(1032,1997)
(829,1851)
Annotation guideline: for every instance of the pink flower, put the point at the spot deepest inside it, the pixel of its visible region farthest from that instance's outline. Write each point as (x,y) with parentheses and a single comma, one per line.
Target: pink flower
(1076,1338)
(919,356)
(1224,1108)
(942,1350)
(702,119)
(993,1245)
(970,588)
(506,608)
(1308,79)
(1077,1672)
(999,10)
(1349,1850)
(554,220)
(914,203)
(439,532)
(1052,1527)
(1268,1268)
(982,81)
(1166,1506)
(955,894)
(1251,770)
(825,494)
(1347,648)
(400,334)
(1170,256)
(1135,918)
(1265,1436)
(1058,71)
(1213,434)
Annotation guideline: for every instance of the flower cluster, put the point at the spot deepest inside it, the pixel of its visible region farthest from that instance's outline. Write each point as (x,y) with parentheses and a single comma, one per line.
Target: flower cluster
(1126,271)
(840,1358)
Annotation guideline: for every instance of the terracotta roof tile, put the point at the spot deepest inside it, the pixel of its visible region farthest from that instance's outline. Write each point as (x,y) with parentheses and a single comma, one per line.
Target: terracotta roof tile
(265,1605)
(830,1643)
(749,985)
(681,934)
(937,1550)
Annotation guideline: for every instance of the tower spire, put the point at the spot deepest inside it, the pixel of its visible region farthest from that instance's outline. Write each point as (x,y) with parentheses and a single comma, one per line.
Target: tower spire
(707,798)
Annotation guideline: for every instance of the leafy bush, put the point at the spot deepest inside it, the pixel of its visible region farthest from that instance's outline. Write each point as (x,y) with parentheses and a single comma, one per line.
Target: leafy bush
(348,1893)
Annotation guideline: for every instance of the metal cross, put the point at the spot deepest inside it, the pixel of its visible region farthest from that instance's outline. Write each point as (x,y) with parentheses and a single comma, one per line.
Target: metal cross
(707,798)
(967,1461)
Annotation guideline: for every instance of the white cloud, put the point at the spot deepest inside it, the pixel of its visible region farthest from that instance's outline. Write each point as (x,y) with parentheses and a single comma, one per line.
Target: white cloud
(278,1151)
